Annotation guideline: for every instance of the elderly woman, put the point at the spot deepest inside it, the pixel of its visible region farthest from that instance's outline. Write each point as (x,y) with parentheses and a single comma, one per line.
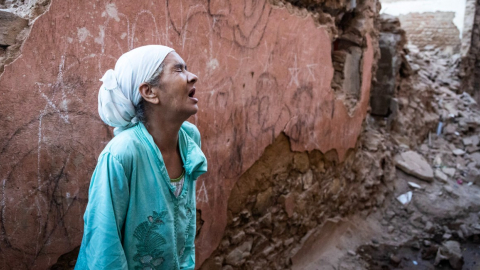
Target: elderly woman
(141,203)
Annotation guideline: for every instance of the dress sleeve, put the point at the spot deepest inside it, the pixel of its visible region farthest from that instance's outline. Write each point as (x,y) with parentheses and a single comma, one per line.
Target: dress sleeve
(105,215)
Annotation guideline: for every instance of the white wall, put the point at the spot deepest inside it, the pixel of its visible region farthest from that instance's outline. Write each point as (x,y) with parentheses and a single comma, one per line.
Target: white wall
(405,7)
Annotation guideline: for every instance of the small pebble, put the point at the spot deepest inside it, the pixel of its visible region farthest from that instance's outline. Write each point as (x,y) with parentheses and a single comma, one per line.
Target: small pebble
(429,227)
(395,259)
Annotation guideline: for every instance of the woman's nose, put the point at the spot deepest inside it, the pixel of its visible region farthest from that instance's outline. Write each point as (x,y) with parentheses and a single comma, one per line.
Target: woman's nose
(192,78)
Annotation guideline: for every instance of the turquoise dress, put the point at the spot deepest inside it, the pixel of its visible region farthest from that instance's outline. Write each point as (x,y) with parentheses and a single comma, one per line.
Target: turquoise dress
(133,219)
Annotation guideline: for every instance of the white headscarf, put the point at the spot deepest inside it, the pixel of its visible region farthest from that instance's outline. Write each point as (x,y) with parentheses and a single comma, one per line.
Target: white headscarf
(119,93)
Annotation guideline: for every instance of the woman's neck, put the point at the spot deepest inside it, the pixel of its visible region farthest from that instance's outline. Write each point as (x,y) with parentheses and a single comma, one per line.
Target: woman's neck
(164,132)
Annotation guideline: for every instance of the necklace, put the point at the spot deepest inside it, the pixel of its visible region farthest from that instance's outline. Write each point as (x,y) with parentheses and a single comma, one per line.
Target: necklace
(174,180)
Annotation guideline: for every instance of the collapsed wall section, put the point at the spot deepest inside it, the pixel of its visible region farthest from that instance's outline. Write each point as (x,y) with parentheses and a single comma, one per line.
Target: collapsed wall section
(266,69)
(285,197)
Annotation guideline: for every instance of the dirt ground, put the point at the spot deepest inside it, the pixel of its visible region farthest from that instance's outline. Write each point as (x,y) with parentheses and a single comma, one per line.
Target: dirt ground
(402,236)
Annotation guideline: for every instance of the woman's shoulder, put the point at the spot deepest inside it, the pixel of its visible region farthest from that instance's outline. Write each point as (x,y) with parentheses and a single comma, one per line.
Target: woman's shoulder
(124,146)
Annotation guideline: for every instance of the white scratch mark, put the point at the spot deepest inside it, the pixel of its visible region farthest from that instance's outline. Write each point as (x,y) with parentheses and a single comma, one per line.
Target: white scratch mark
(202,195)
(39,179)
(82,34)
(101,35)
(294,74)
(134,26)
(311,73)
(213,64)
(112,11)
(50,103)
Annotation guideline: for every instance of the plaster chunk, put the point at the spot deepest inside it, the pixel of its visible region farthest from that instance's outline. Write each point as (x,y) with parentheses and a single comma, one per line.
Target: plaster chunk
(413,163)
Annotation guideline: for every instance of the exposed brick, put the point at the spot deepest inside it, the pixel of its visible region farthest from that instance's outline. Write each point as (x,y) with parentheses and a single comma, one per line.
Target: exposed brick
(432,28)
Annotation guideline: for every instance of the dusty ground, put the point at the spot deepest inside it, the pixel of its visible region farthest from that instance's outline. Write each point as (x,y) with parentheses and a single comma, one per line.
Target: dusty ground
(398,236)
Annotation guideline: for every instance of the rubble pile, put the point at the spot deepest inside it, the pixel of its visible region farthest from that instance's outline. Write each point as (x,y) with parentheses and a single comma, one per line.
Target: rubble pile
(452,147)
(425,77)
(433,220)
(453,119)
(454,150)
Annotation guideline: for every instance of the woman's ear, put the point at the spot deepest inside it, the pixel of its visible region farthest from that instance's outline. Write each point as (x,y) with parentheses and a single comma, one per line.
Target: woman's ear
(148,94)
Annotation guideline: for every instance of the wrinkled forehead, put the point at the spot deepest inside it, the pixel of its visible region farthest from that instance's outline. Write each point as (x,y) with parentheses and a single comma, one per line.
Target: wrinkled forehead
(173,59)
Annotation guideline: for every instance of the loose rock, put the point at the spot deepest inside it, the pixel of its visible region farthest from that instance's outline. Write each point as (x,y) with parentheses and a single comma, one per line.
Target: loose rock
(450,251)
(414,164)
(449,171)
(441,176)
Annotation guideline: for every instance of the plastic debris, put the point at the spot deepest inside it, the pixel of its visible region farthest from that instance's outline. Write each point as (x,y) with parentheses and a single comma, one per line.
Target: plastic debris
(439,128)
(405,198)
(414,185)
(460,181)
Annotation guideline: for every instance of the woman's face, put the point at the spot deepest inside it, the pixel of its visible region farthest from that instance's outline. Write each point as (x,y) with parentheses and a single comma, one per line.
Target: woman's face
(176,89)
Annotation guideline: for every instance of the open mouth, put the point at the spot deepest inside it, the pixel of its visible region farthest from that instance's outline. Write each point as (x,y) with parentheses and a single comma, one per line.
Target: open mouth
(191,93)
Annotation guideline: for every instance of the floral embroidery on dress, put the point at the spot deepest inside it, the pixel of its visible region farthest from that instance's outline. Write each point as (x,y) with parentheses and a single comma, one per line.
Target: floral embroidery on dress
(149,254)
(187,229)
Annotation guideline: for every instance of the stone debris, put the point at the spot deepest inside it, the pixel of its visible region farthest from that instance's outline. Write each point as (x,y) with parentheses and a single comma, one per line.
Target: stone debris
(441,176)
(473,176)
(455,151)
(413,163)
(436,125)
(449,171)
(451,252)
(10,27)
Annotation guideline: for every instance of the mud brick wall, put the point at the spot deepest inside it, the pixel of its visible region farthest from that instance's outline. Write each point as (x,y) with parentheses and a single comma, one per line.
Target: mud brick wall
(392,40)
(432,28)
(291,75)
